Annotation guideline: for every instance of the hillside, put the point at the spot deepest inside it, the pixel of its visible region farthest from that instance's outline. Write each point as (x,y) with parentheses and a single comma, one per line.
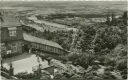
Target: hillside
(97,49)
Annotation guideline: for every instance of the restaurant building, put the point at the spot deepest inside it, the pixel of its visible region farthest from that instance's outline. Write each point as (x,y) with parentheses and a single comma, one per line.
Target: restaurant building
(17,39)
(19,46)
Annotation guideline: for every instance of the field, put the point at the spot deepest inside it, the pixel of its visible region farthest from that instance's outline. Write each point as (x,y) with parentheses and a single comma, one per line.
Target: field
(81,7)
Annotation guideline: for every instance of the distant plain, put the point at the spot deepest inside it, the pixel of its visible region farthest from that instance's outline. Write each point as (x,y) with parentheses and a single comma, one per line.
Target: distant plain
(77,7)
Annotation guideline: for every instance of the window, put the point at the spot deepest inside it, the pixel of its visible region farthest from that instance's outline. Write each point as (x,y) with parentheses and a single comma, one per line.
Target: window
(56,50)
(14,47)
(46,47)
(59,51)
(2,47)
(52,49)
(40,46)
(12,32)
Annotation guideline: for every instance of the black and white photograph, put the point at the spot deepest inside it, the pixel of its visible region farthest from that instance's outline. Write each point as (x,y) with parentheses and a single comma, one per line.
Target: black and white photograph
(63,39)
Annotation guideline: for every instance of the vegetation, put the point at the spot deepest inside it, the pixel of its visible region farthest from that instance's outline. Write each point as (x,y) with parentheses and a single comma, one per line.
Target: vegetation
(102,42)
(70,15)
(61,37)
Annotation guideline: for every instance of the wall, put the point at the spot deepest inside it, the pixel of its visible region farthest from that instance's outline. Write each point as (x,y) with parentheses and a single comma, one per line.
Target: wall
(15,46)
(5,36)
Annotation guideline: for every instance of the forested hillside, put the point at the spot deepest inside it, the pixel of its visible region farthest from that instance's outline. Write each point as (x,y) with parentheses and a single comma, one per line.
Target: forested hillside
(102,42)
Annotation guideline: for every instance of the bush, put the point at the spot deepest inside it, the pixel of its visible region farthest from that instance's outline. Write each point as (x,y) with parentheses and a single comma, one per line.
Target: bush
(83,59)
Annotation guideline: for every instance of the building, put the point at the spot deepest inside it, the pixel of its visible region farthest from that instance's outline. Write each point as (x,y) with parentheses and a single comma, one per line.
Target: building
(17,39)
(18,45)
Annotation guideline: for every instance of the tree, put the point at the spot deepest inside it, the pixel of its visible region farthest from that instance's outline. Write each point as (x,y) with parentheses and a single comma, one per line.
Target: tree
(125,18)
(83,59)
(1,17)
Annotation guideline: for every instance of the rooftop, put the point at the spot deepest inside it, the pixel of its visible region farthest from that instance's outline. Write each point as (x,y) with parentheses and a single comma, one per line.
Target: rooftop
(24,63)
(31,38)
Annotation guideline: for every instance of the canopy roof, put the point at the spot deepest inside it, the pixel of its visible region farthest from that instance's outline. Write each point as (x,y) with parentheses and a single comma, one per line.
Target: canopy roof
(31,38)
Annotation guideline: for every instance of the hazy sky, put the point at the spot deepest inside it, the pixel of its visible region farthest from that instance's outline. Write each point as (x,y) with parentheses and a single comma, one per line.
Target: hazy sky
(63,0)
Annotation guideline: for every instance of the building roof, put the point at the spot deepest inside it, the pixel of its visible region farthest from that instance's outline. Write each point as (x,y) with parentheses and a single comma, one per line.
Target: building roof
(41,41)
(10,21)
(24,63)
